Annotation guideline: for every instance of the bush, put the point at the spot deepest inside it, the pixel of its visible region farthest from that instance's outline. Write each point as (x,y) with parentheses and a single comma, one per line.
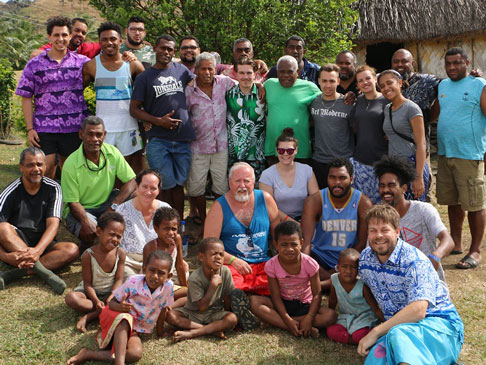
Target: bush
(7,85)
(90,97)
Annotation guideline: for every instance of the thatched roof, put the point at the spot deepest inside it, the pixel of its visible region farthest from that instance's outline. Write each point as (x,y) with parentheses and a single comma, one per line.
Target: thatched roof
(405,20)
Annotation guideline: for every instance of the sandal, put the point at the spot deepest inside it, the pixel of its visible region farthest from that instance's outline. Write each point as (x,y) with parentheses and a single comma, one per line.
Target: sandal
(467,262)
(240,305)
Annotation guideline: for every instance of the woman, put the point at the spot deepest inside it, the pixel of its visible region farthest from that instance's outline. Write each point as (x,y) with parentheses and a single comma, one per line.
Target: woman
(367,119)
(404,128)
(289,182)
(138,213)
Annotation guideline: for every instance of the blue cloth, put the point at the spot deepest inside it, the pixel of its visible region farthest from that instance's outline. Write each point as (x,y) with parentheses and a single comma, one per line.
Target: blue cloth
(171,159)
(461,132)
(423,92)
(425,176)
(337,229)
(247,243)
(366,181)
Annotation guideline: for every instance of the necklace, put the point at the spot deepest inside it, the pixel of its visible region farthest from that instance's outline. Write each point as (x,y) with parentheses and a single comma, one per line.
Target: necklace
(330,107)
(369,101)
(99,168)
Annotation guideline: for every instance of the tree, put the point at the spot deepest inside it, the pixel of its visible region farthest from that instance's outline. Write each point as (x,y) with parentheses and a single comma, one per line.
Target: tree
(325,25)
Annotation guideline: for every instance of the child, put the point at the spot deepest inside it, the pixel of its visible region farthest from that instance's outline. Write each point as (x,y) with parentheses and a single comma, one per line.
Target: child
(166,225)
(102,268)
(358,310)
(207,297)
(134,308)
(293,278)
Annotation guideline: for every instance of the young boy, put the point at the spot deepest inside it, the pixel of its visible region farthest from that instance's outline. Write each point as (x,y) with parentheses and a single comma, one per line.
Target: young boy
(207,297)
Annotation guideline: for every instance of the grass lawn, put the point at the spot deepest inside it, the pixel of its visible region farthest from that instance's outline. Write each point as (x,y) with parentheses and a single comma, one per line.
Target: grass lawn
(36,327)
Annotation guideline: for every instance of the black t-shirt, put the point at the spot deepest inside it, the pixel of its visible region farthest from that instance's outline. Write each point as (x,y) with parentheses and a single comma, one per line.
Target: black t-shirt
(27,212)
(161,91)
(352,87)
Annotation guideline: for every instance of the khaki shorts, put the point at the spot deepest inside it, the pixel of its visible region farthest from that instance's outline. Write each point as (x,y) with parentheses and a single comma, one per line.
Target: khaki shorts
(217,163)
(203,318)
(461,182)
(127,142)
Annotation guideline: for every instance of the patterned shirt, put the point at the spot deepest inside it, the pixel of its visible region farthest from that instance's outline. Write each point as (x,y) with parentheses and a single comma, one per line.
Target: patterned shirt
(407,276)
(57,89)
(145,55)
(146,305)
(208,116)
(422,91)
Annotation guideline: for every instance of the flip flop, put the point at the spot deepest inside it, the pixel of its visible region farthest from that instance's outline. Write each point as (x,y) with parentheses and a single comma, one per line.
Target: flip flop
(467,262)
(456,252)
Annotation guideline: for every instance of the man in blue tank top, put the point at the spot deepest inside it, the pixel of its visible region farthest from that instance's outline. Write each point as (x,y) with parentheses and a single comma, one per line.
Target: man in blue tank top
(243,219)
(334,219)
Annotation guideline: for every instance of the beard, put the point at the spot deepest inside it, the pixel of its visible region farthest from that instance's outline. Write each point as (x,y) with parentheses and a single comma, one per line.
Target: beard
(242,195)
(134,42)
(344,193)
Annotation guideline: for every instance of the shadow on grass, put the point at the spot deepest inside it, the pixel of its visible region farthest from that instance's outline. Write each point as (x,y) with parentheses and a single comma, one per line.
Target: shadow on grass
(52,318)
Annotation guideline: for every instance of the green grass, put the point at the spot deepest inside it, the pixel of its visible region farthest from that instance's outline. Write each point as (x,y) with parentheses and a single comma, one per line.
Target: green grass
(36,327)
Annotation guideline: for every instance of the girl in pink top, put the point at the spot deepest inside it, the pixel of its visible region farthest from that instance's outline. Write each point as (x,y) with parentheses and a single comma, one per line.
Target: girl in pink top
(293,278)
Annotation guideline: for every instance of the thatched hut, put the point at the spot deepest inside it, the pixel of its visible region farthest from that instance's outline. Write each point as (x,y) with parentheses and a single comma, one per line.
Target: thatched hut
(425,27)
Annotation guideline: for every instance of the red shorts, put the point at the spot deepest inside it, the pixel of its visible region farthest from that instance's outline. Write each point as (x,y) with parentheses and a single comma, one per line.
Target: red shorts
(256,282)
(109,320)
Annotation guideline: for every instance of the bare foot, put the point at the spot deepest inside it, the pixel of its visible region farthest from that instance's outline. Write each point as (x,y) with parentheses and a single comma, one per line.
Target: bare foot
(314,332)
(81,356)
(220,335)
(81,325)
(181,336)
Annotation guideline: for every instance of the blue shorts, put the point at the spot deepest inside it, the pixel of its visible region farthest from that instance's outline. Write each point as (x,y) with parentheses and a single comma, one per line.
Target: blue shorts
(171,159)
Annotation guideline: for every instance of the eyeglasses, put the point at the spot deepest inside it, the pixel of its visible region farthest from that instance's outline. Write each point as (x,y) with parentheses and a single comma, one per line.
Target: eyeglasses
(136,29)
(281,151)
(250,238)
(183,48)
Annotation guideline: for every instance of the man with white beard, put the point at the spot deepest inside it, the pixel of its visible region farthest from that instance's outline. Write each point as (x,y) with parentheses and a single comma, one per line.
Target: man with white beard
(243,219)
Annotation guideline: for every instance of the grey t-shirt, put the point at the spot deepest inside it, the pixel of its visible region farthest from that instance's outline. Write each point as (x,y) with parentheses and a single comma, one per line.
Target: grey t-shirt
(397,146)
(367,119)
(333,134)
(420,227)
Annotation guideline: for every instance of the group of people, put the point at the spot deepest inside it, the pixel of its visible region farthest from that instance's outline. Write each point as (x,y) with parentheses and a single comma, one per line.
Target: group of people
(337,140)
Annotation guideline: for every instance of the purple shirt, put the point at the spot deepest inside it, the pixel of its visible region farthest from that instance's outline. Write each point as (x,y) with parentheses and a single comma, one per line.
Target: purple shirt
(57,89)
(209,116)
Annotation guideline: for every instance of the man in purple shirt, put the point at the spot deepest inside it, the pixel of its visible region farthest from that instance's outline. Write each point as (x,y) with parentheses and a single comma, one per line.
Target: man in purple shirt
(206,102)
(54,80)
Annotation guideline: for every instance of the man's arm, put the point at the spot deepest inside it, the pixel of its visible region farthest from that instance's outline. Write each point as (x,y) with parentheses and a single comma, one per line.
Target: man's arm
(446,245)
(28,111)
(89,72)
(272,210)
(88,227)
(166,121)
(125,191)
(136,68)
(482,101)
(312,210)
(363,207)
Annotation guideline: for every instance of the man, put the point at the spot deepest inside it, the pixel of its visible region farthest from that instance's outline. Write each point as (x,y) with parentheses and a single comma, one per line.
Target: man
(295,47)
(332,126)
(88,179)
(334,219)
(188,51)
(347,62)
(113,79)
(206,102)
(159,100)
(420,223)
(53,83)
(135,35)
(288,99)
(243,48)
(77,43)
(246,119)
(421,324)
(30,213)
(461,138)
(243,219)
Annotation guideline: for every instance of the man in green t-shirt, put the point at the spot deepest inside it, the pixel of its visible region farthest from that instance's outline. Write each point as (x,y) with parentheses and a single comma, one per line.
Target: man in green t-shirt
(288,99)
(134,42)
(88,179)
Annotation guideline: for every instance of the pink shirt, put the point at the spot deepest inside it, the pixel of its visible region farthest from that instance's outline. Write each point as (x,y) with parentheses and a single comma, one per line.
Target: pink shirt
(294,287)
(208,116)
(146,305)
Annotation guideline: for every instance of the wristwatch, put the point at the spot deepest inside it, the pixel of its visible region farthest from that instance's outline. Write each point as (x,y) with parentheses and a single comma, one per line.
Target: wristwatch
(114,206)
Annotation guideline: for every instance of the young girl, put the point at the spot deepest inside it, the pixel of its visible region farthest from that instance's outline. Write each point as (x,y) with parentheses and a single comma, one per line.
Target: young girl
(293,278)
(404,128)
(134,308)
(358,310)
(102,269)
(166,225)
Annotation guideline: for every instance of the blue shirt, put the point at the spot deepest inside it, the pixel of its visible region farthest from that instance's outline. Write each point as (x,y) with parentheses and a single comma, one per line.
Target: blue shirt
(461,132)
(407,276)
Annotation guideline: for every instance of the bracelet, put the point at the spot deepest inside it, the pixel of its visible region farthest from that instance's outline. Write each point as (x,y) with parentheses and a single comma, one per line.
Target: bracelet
(231,260)
(286,217)
(30,129)
(433,257)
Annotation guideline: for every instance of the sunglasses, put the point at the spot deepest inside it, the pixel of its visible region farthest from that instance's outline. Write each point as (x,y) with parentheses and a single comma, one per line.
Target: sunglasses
(250,238)
(281,151)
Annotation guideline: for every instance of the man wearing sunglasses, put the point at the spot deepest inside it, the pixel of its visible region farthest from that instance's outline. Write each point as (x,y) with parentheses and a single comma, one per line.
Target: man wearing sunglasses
(243,219)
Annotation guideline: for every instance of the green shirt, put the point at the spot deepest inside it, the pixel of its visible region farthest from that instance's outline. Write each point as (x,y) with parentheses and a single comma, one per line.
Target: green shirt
(92,186)
(288,107)
(145,55)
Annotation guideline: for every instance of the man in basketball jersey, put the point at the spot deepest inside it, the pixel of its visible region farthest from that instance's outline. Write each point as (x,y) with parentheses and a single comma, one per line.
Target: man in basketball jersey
(334,219)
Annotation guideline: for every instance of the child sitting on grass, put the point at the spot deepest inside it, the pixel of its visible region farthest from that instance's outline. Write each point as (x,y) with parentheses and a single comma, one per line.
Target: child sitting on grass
(207,308)
(358,310)
(166,225)
(102,269)
(293,278)
(135,308)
